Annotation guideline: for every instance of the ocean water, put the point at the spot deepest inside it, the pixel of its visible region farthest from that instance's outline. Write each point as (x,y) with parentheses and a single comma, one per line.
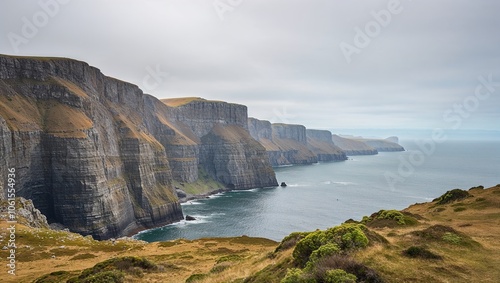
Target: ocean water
(326,194)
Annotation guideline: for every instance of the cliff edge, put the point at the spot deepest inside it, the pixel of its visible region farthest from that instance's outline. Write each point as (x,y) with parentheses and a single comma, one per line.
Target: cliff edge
(100,157)
(294,144)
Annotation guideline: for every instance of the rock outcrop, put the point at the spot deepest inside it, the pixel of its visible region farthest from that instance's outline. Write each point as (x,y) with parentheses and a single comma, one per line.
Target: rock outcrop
(218,131)
(352,146)
(320,143)
(101,157)
(81,147)
(384,145)
(293,144)
(285,144)
(363,146)
(25,213)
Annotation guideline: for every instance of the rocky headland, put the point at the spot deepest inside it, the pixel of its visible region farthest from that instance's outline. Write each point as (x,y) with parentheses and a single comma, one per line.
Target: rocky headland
(366,146)
(320,143)
(102,158)
(98,156)
(383,145)
(353,147)
(288,144)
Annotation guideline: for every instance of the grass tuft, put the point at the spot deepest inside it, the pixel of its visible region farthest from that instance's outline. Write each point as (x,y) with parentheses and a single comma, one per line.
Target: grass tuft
(420,252)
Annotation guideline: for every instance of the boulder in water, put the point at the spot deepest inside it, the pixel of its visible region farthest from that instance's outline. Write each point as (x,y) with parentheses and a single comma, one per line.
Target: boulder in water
(190,218)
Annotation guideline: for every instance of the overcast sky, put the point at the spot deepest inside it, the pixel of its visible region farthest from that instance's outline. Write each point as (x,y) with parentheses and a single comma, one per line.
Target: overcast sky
(324,64)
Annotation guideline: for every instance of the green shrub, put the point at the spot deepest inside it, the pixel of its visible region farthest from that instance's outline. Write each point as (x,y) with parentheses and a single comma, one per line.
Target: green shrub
(390,218)
(291,240)
(420,252)
(219,267)
(451,238)
(296,275)
(392,215)
(339,276)
(362,272)
(366,219)
(478,187)
(56,276)
(307,245)
(112,276)
(229,258)
(460,208)
(271,273)
(346,237)
(112,269)
(325,250)
(453,195)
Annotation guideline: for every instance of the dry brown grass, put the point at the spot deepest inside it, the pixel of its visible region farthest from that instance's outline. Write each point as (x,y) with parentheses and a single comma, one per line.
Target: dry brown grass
(64,121)
(228,259)
(178,259)
(20,113)
(461,262)
(176,102)
(73,88)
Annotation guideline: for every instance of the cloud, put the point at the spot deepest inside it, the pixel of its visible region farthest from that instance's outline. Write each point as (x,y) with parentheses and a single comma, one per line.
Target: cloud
(284,56)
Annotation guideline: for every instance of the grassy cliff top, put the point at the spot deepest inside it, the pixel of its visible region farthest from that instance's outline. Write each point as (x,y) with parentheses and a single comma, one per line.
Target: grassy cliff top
(455,238)
(180,101)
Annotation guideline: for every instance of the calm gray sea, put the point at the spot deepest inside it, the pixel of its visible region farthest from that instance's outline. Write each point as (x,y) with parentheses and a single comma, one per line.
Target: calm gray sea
(326,194)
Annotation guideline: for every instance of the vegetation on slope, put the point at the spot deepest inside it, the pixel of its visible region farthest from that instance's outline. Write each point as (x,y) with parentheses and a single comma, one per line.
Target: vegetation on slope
(438,244)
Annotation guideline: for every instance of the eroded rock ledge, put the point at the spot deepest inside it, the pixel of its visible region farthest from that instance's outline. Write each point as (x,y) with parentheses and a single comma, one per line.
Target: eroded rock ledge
(100,157)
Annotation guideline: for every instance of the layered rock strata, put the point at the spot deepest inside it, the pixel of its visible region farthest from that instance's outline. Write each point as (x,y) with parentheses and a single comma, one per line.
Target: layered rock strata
(383,145)
(292,144)
(100,157)
(353,147)
(320,143)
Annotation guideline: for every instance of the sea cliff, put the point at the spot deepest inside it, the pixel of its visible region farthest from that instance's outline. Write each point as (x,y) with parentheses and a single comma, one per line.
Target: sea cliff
(366,146)
(99,156)
(353,147)
(294,144)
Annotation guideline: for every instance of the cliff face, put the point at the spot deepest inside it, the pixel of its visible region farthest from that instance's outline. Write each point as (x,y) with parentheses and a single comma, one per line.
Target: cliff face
(94,153)
(100,157)
(361,146)
(353,147)
(233,157)
(81,147)
(218,132)
(384,144)
(293,144)
(320,143)
(202,115)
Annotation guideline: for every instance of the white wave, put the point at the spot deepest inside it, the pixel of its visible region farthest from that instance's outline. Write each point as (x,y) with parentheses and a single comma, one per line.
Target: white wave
(326,182)
(217,195)
(191,202)
(244,191)
(344,183)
